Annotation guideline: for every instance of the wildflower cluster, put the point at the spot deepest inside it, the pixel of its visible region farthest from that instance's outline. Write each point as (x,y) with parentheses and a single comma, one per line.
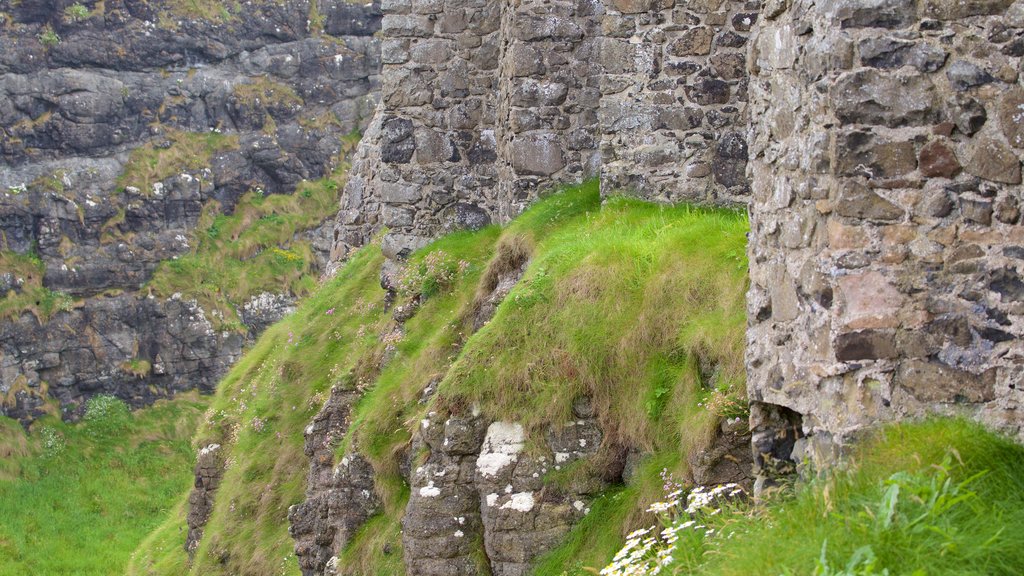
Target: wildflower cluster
(648,551)
(726,404)
(431,275)
(53,441)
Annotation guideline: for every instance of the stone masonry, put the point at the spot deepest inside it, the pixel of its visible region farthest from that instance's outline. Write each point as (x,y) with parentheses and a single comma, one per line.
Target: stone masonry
(484,105)
(877,143)
(886,246)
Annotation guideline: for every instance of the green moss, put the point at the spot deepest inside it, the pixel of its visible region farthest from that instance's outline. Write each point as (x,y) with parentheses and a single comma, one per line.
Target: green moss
(176,152)
(30,296)
(78,498)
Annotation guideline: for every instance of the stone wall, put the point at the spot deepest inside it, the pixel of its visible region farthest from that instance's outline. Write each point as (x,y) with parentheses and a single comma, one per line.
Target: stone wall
(485,105)
(886,246)
(673,110)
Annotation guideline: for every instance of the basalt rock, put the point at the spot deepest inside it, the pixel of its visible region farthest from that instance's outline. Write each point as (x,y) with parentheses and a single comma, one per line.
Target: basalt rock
(79,94)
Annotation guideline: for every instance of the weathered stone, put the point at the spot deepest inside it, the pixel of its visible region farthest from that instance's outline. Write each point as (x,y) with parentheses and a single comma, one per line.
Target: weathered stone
(935,382)
(893,53)
(993,161)
(874,13)
(1007,210)
(937,160)
(693,42)
(858,201)
(958,9)
(707,92)
(539,154)
(977,211)
(965,75)
(865,345)
(869,300)
(874,97)
(730,161)
(1011,117)
(968,115)
(871,155)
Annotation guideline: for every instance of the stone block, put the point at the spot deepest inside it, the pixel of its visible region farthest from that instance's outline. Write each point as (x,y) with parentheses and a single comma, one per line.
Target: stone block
(890,99)
(869,300)
(958,9)
(865,345)
(537,154)
(693,42)
(859,201)
(994,161)
(1011,117)
(937,160)
(400,193)
(930,381)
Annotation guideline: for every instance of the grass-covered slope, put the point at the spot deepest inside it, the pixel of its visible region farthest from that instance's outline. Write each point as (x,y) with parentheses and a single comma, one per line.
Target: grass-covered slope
(936,498)
(636,305)
(76,499)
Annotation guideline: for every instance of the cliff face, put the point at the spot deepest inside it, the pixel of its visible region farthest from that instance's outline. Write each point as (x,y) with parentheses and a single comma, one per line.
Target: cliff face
(122,122)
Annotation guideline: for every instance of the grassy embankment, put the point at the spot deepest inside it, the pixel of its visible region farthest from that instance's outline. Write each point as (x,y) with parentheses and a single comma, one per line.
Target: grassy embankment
(936,498)
(76,499)
(622,302)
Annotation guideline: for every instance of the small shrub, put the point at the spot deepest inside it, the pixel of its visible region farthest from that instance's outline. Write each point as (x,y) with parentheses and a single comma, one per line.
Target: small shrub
(76,12)
(432,275)
(48,37)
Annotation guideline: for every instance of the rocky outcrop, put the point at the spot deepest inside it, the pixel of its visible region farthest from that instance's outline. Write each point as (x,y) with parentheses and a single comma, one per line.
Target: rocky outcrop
(208,473)
(885,259)
(339,498)
(477,487)
(119,122)
(90,350)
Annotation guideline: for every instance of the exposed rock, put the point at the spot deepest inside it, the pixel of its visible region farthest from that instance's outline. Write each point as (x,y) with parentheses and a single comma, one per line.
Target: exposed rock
(208,473)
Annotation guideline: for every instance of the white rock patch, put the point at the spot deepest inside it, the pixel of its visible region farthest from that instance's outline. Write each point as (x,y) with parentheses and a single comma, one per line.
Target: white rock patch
(521,501)
(429,491)
(501,447)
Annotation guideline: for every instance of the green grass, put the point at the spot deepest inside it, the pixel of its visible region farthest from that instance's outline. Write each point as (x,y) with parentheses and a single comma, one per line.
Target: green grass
(76,499)
(618,296)
(940,497)
(151,163)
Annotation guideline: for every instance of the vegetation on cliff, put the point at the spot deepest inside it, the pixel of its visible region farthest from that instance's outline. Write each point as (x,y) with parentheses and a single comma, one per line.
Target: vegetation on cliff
(596,314)
(78,498)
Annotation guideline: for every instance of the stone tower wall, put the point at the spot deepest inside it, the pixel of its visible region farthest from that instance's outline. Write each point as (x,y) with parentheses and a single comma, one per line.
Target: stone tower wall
(878,144)
(886,246)
(673,110)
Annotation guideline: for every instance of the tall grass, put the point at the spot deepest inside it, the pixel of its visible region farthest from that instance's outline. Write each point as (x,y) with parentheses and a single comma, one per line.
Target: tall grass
(78,498)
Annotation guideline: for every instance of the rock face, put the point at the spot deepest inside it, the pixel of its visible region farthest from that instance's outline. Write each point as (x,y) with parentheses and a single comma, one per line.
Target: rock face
(208,473)
(118,124)
(486,104)
(87,351)
(885,226)
(476,485)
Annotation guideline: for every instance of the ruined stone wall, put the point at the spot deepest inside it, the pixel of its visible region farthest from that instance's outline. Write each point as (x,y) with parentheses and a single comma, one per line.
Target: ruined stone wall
(673,110)
(886,246)
(485,105)
(547,129)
